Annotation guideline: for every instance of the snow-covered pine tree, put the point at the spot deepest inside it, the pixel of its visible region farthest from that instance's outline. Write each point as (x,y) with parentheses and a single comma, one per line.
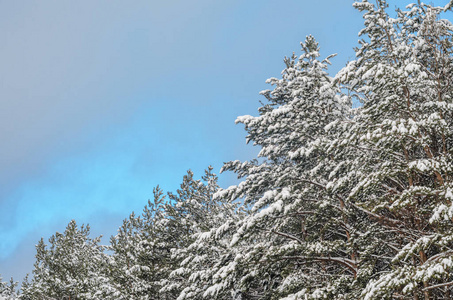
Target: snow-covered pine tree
(8,290)
(201,272)
(3,286)
(298,236)
(141,253)
(69,268)
(150,247)
(402,175)
(25,287)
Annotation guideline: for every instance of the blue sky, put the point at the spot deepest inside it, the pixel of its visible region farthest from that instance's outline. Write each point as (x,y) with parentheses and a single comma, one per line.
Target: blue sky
(100,101)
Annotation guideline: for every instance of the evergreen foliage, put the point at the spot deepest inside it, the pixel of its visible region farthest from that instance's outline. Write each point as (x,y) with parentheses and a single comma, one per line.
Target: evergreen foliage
(341,202)
(402,75)
(8,290)
(70,267)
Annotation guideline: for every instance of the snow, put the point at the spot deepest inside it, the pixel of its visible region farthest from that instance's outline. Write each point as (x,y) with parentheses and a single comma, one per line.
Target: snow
(329,178)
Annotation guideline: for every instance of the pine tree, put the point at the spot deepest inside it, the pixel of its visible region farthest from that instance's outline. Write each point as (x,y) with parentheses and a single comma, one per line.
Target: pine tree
(69,268)
(150,247)
(206,255)
(3,288)
(402,175)
(10,292)
(298,235)
(141,253)
(8,289)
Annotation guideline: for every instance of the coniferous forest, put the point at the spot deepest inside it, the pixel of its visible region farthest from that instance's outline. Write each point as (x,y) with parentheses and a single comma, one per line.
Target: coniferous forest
(350,196)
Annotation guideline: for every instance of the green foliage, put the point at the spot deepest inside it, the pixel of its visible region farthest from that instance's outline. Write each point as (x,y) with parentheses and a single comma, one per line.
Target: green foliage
(69,267)
(341,203)
(8,290)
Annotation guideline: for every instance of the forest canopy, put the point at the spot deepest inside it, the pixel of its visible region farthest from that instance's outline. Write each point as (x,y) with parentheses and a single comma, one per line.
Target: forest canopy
(350,196)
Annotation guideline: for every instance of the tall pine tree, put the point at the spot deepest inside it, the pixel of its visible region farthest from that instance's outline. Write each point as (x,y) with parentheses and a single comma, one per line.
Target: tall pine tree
(402,176)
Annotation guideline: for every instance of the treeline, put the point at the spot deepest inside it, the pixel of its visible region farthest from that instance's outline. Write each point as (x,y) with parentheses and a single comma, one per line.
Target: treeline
(344,201)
